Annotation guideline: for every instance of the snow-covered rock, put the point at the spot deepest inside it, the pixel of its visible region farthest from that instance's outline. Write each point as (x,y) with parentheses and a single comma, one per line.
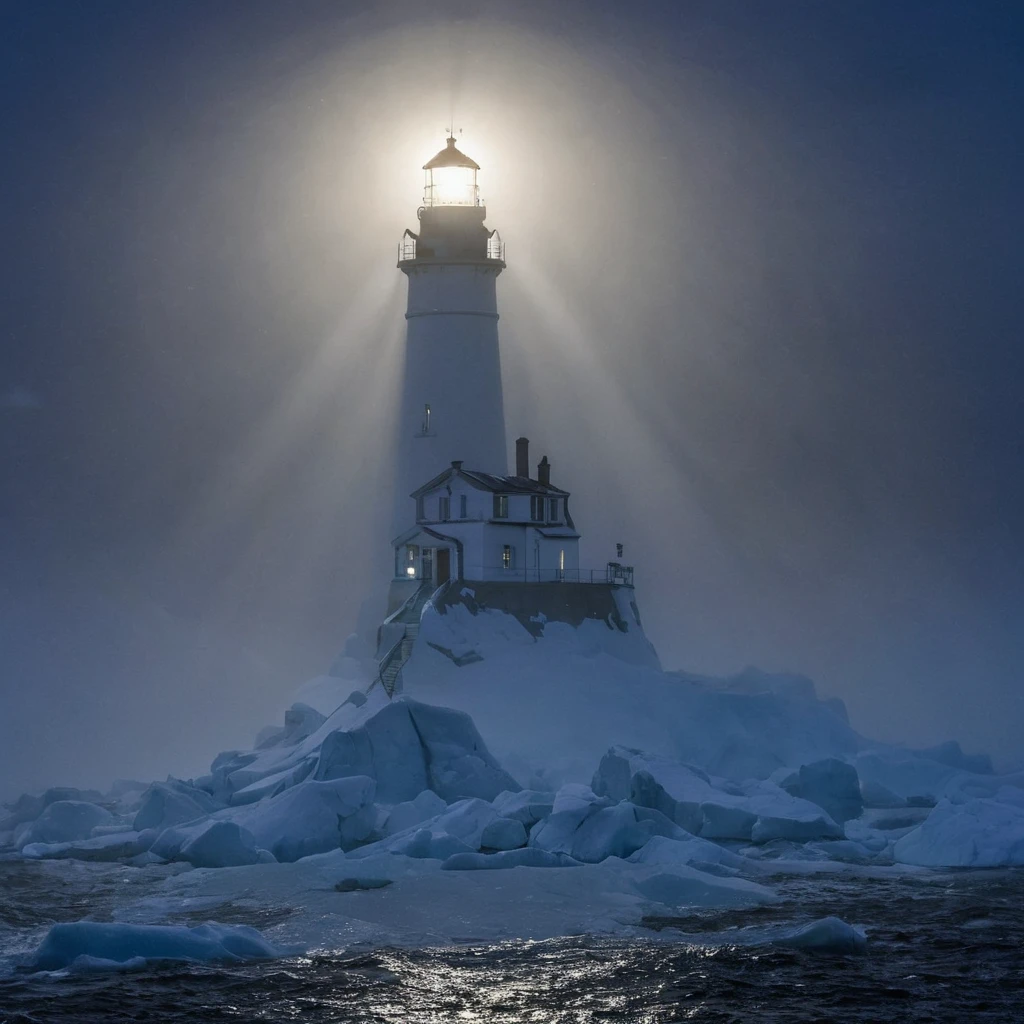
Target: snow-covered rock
(219,844)
(312,817)
(555,702)
(982,833)
(170,803)
(136,944)
(64,821)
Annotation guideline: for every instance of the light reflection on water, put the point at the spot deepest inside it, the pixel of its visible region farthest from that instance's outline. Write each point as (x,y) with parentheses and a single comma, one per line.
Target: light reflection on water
(941,948)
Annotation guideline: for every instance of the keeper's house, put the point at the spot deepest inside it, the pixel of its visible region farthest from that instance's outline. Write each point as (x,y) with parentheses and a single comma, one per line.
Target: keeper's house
(513,542)
(473,525)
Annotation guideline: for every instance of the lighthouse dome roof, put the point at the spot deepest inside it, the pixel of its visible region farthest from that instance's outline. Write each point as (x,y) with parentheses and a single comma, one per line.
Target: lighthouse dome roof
(450,156)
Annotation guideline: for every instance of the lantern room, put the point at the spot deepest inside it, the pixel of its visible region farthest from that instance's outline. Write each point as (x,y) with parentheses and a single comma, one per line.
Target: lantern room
(450,179)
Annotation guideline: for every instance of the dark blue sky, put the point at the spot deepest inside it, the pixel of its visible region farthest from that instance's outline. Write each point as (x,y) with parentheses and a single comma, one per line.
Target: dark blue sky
(812,299)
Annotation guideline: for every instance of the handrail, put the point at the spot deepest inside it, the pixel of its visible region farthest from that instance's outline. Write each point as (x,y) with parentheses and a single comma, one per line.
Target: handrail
(383,664)
(404,606)
(614,573)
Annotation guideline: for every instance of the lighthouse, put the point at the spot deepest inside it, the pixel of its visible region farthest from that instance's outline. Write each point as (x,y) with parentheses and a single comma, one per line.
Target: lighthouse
(452,405)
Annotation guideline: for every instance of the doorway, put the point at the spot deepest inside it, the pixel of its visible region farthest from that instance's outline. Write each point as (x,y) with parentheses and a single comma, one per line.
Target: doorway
(444,565)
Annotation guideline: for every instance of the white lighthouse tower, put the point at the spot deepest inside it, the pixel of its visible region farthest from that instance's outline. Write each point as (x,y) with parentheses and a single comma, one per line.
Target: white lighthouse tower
(452,404)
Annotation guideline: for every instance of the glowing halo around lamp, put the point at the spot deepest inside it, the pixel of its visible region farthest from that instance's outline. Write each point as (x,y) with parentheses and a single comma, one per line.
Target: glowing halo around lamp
(450,179)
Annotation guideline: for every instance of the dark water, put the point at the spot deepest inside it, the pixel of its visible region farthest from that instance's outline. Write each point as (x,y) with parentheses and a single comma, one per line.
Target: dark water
(941,948)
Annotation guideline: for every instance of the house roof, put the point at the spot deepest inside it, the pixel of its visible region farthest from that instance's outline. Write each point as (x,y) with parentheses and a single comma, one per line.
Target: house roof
(489,482)
(567,532)
(415,531)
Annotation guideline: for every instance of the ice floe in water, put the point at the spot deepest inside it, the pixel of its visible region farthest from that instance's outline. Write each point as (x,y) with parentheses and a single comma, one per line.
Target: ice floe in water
(91,945)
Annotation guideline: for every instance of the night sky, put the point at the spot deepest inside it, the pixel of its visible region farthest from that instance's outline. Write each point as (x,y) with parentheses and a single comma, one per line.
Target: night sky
(763,310)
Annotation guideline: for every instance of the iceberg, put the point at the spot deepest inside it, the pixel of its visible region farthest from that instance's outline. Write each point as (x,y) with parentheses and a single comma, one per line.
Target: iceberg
(715,808)
(528,857)
(687,887)
(829,935)
(64,821)
(133,944)
(312,817)
(117,846)
(219,844)
(831,784)
(170,803)
(423,807)
(981,833)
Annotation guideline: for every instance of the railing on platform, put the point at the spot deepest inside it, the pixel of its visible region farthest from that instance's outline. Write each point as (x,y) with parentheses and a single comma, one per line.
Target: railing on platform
(495,248)
(613,573)
(407,249)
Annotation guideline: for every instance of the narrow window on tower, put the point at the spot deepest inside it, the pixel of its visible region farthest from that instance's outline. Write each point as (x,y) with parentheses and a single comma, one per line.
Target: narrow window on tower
(507,557)
(537,508)
(420,511)
(501,506)
(463,507)
(443,508)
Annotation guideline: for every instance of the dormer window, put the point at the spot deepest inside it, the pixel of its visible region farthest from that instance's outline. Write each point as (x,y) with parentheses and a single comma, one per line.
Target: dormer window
(463,507)
(420,511)
(444,508)
(554,510)
(536,508)
(501,506)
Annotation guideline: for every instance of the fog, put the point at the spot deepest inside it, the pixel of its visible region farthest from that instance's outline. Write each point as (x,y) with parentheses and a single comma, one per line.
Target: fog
(761,310)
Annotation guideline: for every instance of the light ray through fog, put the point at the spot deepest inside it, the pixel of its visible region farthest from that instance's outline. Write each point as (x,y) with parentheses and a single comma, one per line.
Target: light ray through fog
(739,313)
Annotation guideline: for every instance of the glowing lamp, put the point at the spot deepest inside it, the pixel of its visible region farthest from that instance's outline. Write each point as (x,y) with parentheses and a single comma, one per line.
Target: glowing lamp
(450,179)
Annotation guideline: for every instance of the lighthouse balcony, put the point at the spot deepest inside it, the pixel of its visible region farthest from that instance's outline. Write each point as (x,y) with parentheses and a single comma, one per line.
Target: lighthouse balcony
(408,251)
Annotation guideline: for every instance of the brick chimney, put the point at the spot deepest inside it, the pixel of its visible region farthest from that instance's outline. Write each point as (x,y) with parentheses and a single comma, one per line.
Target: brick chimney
(544,472)
(522,457)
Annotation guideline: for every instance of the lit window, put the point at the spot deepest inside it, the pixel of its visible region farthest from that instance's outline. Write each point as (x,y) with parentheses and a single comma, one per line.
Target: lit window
(443,508)
(537,508)
(554,510)
(561,560)
(463,507)
(506,556)
(501,506)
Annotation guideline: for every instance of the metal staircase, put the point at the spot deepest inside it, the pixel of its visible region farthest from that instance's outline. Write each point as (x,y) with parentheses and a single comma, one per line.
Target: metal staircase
(393,662)
(389,668)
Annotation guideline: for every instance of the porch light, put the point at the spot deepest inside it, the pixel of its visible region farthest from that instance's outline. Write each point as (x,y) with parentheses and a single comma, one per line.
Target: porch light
(411,570)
